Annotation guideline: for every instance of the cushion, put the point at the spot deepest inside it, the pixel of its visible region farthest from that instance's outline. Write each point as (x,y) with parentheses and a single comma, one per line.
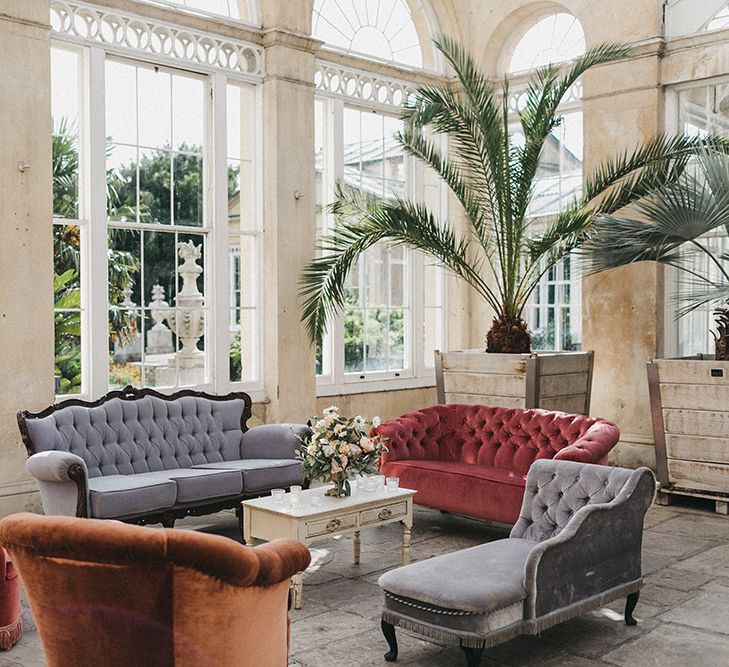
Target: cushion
(481,579)
(127,495)
(261,474)
(193,485)
(484,492)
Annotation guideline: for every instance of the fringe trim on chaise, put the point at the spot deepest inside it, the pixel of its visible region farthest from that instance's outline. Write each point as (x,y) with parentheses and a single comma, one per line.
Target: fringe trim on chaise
(533,626)
(450,638)
(10,634)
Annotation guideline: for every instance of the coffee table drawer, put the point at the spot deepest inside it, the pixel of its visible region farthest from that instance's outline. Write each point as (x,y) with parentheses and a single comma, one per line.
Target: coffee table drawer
(379,514)
(331,525)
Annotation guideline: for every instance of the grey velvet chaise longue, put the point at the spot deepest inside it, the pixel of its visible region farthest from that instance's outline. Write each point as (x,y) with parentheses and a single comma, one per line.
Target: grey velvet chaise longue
(142,456)
(575,547)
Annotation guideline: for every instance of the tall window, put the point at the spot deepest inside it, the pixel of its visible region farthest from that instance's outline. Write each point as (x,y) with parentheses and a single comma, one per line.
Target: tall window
(702,110)
(146,219)
(393,319)
(554,310)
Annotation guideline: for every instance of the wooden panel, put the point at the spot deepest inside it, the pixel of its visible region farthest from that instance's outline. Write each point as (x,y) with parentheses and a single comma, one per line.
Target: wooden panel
(691,371)
(707,476)
(696,422)
(567,384)
(484,383)
(695,396)
(557,364)
(330,524)
(574,404)
(482,362)
(380,514)
(478,399)
(692,448)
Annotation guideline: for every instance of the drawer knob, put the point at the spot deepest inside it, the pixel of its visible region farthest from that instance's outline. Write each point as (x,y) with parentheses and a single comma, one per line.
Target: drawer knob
(385,514)
(333,524)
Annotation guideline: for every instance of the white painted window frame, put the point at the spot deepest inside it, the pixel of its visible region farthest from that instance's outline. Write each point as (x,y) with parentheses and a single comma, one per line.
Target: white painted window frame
(416,373)
(94,228)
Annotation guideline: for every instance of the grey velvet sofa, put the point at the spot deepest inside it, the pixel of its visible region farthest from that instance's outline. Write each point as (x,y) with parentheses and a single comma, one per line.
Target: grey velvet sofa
(575,547)
(142,456)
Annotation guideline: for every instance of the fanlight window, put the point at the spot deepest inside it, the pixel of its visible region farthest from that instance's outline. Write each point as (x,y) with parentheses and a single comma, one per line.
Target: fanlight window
(720,21)
(382,29)
(552,39)
(234,9)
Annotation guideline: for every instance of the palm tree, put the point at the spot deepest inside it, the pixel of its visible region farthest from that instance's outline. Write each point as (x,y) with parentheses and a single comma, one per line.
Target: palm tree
(493,177)
(670,227)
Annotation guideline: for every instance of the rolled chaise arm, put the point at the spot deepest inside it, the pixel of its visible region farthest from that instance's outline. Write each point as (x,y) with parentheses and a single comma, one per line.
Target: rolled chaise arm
(62,480)
(273,441)
(596,558)
(593,446)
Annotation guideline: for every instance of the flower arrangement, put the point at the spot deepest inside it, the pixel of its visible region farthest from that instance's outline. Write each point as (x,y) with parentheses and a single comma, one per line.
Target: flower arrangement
(339,448)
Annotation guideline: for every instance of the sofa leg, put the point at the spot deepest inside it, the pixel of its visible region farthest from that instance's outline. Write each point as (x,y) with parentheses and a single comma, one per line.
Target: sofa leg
(630,603)
(388,629)
(473,655)
(168,521)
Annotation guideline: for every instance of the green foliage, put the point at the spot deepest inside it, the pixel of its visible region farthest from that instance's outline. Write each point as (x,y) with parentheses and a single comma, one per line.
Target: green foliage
(668,227)
(235,366)
(493,178)
(67,325)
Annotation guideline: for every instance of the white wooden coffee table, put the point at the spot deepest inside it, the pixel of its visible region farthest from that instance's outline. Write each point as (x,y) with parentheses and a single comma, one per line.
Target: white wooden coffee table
(265,520)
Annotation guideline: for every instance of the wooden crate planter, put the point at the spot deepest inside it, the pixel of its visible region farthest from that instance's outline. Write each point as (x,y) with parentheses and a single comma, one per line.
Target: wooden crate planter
(690,412)
(548,380)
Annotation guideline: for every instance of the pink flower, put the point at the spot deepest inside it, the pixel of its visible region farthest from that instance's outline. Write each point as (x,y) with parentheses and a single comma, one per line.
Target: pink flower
(336,467)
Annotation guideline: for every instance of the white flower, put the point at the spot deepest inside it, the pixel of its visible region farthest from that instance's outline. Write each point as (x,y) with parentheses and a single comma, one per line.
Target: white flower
(320,424)
(311,449)
(328,450)
(331,410)
(359,420)
(376,421)
(323,441)
(366,444)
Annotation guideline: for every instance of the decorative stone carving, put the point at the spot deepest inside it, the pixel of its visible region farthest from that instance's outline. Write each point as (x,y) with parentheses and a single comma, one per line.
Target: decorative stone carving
(128,349)
(159,337)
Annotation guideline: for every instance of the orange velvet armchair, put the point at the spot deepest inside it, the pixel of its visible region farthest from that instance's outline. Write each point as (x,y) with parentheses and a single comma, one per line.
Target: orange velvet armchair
(11,621)
(108,593)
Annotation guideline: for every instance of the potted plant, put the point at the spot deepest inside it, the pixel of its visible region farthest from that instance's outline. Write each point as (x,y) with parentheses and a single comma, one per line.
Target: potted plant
(689,397)
(492,174)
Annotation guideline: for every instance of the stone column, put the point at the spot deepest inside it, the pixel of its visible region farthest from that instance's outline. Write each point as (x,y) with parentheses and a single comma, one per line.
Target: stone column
(622,309)
(26,262)
(289,221)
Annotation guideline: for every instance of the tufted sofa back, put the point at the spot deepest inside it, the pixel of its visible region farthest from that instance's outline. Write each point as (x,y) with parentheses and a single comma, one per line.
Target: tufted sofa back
(508,438)
(142,431)
(557,490)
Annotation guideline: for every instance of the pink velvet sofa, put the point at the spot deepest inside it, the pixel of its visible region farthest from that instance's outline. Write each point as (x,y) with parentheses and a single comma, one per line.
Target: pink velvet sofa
(473,459)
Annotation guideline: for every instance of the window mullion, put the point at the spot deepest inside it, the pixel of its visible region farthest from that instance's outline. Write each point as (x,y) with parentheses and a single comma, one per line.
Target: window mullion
(217,294)
(94,265)
(335,164)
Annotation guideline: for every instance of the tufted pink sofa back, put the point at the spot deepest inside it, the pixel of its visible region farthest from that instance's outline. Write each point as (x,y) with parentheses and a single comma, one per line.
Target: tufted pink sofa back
(508,438)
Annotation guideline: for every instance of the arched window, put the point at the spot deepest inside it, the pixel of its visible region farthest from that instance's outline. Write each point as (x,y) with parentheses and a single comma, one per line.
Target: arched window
(396,31)
(240,10)
(395,313)
(551,39)
(554,310)
(720,21)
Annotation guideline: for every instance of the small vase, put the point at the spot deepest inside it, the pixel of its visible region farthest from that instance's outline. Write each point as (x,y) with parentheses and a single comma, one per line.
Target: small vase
(341,487)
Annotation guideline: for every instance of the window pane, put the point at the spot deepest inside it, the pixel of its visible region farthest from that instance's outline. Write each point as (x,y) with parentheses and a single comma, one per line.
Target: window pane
(154,108)
(188,188)
(65,110)
(188,119)
(67,308)
(552,39)
(155,185)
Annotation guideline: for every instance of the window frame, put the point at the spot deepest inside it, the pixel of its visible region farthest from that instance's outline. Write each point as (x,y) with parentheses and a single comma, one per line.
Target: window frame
(334,380)
(94,224)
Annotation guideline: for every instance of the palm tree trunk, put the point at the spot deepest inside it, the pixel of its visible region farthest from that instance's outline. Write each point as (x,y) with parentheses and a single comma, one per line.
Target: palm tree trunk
(508,335)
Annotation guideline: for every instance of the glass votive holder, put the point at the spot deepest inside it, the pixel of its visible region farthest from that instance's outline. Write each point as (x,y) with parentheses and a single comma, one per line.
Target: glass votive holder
(295,490)
(379,482)
(295,494)
(370,485)
(392,483)
(360,483)
(278,496)
(315,500)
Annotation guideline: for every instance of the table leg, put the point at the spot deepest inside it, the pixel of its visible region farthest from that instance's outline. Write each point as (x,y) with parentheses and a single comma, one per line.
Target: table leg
(356,547)
(405,543)
(298,589)
(246,521)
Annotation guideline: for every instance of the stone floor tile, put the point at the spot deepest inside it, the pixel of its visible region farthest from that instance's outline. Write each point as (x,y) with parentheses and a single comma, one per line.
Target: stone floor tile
(700,525)
(331,626)
(670,645)
(678,578)
(674,545)
(653,562)
(713,561)
(707,611)
(664,597)
(657,515)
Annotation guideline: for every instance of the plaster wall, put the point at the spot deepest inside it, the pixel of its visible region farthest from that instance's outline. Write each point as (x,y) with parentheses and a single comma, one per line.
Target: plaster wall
(26,276)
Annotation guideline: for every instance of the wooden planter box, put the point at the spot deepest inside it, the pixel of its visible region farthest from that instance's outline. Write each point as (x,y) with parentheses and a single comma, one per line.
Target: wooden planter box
(690,412)
(548,380)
